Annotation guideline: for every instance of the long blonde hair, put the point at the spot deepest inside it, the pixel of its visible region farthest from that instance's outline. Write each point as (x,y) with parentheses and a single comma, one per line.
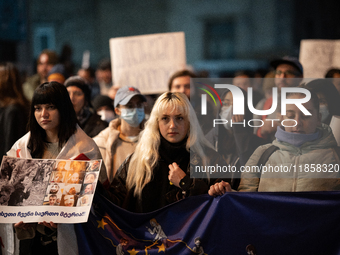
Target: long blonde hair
(146,153)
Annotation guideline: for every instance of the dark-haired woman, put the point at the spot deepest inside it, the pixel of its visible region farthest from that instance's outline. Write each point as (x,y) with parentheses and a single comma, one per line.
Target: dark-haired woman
(53,134)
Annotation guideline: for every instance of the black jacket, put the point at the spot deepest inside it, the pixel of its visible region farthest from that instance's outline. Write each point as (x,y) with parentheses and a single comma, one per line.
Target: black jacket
(159,192)
(93,125)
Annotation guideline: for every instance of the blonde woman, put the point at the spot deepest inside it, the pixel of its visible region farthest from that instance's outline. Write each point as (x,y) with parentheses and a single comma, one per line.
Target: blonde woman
(158,173)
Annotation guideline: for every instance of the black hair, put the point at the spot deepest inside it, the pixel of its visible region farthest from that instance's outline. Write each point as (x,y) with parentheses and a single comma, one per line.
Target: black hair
(56,94)
(330,73)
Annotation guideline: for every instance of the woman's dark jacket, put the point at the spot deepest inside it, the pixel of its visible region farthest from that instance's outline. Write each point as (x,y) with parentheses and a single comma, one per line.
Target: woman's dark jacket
(159,192)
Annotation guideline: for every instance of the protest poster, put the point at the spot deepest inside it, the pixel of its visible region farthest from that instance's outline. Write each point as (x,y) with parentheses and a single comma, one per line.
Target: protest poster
(147,61)
(35,190)
(318,56)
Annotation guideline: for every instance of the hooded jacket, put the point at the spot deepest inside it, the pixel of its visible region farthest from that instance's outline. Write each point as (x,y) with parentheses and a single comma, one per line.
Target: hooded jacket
(114,147)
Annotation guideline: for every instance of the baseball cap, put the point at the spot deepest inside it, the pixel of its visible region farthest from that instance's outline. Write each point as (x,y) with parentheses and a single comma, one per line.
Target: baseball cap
(293,61)
(124,95)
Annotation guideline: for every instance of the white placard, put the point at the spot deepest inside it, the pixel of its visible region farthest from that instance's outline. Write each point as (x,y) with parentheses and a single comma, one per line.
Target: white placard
(147,61)
(317,56)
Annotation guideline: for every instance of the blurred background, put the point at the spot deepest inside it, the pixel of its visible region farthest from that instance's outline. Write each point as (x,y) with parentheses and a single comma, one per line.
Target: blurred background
(221,35)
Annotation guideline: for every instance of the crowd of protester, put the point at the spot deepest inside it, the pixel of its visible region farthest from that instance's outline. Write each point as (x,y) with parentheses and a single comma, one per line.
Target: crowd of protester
(146,141)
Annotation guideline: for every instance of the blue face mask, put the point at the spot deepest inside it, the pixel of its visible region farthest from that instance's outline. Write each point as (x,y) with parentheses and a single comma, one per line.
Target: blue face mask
(133,116)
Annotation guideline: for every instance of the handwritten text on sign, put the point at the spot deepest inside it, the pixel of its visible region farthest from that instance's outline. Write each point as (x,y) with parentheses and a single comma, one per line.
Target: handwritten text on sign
(147,61)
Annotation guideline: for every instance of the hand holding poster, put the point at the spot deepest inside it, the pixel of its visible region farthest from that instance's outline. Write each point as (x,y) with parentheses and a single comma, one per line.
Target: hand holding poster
(36,190)
(147,61)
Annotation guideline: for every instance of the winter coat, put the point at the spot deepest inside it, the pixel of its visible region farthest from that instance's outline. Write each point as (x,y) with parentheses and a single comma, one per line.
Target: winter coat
(294,167)
(93,125)
(109,141)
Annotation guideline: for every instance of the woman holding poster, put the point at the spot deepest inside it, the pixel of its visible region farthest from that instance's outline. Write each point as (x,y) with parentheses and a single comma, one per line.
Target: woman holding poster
(53,134)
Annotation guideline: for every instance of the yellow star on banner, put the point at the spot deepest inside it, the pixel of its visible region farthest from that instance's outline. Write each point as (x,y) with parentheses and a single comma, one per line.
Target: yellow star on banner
(133,251)
(101,223)
(161,248)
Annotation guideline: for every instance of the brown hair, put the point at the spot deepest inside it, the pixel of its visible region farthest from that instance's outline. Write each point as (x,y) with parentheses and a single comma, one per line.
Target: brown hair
(180,74)
(52,56)
(10,85)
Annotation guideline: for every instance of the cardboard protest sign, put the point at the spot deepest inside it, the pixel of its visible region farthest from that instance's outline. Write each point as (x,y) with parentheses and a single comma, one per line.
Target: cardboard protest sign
(147,61)
(318,56)
(35,190)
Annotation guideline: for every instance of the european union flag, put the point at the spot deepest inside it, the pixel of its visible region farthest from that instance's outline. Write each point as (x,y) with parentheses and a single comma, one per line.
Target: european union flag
(235,223)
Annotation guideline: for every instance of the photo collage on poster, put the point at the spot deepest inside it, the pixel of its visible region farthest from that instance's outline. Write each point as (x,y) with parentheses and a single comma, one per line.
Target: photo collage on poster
(72,183)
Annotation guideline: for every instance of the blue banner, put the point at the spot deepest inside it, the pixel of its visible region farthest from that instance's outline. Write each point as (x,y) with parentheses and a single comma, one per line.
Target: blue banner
(235,223)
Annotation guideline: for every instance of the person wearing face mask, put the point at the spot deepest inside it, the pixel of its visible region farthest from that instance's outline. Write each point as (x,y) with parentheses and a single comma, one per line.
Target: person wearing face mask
(103,105)
(119,140)
(158,172)
(329,98)
(225,137)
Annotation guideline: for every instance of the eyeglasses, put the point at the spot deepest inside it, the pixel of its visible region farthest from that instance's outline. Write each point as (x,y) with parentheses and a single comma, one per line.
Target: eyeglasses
(287,73)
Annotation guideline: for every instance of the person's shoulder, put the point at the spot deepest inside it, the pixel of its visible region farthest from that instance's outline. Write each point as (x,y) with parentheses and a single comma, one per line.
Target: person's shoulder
(95,118)
(327,135)
(261,149)
(258,153)
(209,152)
(24,138)
(19,145)
(94,125)
(123,169)
(110,133)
